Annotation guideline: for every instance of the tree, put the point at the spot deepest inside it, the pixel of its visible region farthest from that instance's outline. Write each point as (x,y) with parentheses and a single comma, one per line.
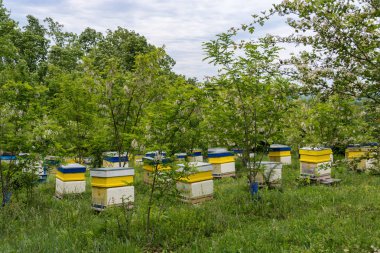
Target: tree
(18,109)
(252,98)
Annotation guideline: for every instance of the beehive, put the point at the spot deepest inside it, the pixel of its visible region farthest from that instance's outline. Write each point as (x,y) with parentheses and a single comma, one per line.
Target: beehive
(138,159)
(41,172)
(180,156)
(280,153)
(223,164)
(238,152)
(364,155)
(112,160)
(195,156)
(70,179)
(153,154)
(269,172)
(7,158)
(150,165)
(315,162)
(112,186)
(198,185)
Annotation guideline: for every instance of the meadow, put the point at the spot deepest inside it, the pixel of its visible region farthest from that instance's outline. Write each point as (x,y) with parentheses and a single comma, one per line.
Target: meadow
(296,218)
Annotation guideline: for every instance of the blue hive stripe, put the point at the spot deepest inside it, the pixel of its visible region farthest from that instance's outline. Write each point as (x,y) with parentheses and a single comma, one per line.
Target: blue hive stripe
(280,149)
(8,157)
(151,161)
(115,159)
(72,170)
(196,154)
(220,154)
(237,151)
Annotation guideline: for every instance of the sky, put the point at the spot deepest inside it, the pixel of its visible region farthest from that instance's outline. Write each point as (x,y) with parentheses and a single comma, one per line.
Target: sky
(181,25)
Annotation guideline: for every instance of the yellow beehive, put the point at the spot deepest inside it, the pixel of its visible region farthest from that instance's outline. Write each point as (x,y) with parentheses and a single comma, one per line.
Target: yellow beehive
(151,164)
(111,186)
(315,162)
(70,179)
(223,163)
(363,155)
(195,156)
(280,153)
(198,185)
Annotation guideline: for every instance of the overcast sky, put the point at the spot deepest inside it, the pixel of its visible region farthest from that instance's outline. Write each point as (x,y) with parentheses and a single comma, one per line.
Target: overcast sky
(180,25)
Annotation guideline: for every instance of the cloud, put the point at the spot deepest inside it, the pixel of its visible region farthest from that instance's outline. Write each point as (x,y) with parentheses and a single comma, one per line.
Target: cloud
(181,25)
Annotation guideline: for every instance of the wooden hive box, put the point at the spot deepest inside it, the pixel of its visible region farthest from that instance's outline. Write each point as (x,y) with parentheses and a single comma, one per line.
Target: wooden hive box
(112,186)
(280,153)
(270,172)
(150,165)
(180,156)
(112,160)
(223,163)
(70,179)
(195,156)
(315,162)
(198,185)
(364,155)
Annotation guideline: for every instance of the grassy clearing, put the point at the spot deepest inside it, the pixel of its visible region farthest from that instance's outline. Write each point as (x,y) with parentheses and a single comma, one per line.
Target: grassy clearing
(295,219)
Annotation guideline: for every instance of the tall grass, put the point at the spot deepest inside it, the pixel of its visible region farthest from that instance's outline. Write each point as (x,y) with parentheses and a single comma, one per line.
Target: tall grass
(294,219)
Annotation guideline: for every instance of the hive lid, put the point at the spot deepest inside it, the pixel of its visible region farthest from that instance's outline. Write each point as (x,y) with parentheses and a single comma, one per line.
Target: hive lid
(152,161)
(279,147)
(112,172)
(217,149)
(180,155)
(72,168)
(72,165)
(154,153)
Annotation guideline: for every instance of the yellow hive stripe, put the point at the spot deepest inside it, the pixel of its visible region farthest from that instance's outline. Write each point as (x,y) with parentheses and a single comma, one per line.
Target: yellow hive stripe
(316,152)
(151,167)
(279,153)
(70,176)
(111,181)
(355,154)
(315,159)
(197,177)
(227,159)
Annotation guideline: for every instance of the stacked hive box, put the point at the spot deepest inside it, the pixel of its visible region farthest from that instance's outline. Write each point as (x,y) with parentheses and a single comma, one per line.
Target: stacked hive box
(112,186)
(180,156)
(315,162)
(195,156)
(223,164)
(112,160)
(269,172)
(198,185)
(150,167)
(41,171)
(70,179)
(363,154)
(280,153)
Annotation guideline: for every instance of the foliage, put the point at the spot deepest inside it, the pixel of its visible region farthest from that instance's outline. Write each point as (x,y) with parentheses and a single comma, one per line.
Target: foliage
(253,98)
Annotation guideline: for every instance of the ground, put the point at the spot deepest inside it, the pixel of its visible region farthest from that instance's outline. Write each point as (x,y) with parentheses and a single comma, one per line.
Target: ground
(343,218)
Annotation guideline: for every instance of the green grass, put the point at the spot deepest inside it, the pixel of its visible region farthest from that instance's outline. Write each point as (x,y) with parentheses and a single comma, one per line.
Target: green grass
(295,219)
